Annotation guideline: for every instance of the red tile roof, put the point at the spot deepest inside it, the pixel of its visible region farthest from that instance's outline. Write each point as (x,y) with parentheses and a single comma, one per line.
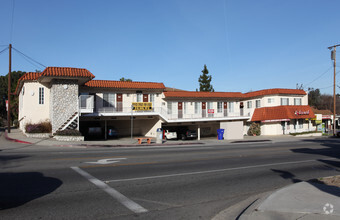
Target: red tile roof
(283,112)
(124,84)
(30,76)
(67,72)
(323,111)
(274,91)
(187,94)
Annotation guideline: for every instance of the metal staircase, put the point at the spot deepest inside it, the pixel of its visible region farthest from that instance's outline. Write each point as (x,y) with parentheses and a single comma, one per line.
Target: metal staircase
(71,123)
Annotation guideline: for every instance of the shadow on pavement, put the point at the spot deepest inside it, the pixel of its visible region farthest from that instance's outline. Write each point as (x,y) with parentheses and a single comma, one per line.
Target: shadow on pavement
(287,175)
(332,151)
(17,189)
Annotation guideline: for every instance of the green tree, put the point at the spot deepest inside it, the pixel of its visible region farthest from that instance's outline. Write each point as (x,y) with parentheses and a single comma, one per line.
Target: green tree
(125,80)
(314,97)
(15,75)
(205,80)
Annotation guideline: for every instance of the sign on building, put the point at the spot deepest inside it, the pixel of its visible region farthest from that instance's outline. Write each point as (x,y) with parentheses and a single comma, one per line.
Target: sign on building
(142,106)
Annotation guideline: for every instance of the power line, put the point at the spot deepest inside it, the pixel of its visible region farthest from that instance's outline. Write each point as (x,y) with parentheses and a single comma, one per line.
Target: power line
(319,76)
(3,50)
(29,59)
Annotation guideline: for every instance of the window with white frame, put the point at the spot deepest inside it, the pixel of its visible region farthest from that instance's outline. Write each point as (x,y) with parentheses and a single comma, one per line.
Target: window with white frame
(210,105)
(169,107)
(258,103)
(108,100)
(270,100)
(41,95)
(139,97)
(185,107)
(219,107)
(297,101)
(300,123)
(197,107)
(152,99)
(231,106)
(249,104)
(284,101)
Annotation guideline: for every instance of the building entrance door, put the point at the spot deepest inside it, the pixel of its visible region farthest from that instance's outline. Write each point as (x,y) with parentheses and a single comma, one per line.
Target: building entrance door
(180,110)
(119,102)
(145,98)
(225,109)
(204,107)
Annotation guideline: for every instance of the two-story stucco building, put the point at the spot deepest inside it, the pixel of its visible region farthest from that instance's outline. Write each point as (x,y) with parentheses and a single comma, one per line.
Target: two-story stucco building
(71,98)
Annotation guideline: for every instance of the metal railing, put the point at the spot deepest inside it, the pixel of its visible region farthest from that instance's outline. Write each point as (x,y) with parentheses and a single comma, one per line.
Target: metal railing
(86,105)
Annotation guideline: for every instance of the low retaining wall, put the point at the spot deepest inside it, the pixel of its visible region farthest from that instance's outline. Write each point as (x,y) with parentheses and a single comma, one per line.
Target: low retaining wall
(309,135)
(38,135)
(69,138)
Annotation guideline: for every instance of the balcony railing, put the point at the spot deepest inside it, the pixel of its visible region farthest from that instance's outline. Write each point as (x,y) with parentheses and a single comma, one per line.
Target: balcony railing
(86,105)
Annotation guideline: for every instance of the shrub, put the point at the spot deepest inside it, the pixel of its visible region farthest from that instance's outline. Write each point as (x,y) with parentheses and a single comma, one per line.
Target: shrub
(16,123)
(68,132)
(41,127)
(254,129)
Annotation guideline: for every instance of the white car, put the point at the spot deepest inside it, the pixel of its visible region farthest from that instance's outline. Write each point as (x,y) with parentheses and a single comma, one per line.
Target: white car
(170,135)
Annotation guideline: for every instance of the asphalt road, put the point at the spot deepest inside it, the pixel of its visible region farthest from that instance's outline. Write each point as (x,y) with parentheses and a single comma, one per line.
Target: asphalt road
(177,182)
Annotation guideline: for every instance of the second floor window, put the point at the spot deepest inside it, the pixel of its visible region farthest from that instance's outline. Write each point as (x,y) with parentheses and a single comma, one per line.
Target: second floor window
(41,95)
(185,107)
(197,107)
(169,107)
(210,105)
(297,101)
(249,104)
(109,100)
(258,103)
(219,107)
(152,99)
(231,106)
(284,101)
(270,100)
(139,97)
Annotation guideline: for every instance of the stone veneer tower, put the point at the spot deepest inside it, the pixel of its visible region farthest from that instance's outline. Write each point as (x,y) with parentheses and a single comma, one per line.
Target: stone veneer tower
(64,101)
(64,90)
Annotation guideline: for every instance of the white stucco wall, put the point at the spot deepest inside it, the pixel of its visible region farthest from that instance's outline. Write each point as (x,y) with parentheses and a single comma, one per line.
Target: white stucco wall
(232,129)
(30,111)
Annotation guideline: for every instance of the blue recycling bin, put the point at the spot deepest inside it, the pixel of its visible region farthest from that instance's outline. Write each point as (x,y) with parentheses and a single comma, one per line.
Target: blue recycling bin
(220,133)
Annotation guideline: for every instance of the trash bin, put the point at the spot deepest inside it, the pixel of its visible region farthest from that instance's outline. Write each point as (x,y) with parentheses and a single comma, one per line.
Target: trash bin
(220,133)
(159,137)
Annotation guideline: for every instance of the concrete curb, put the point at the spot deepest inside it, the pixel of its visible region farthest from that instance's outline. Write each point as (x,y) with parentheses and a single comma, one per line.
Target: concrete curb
(245,206)
(15,140)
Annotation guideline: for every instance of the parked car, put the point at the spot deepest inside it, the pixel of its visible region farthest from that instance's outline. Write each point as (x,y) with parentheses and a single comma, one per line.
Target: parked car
(94,132)
(170,135)
(112,132)
(188,134)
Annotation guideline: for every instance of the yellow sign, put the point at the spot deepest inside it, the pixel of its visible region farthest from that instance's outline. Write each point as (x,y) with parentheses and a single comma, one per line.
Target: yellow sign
(142,106)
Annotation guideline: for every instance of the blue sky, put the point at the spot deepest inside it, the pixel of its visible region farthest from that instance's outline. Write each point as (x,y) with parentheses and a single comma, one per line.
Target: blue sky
(246,45)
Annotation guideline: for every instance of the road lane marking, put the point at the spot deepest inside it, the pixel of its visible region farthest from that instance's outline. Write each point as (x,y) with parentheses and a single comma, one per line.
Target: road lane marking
(128,203)
(107,161)
(215,171)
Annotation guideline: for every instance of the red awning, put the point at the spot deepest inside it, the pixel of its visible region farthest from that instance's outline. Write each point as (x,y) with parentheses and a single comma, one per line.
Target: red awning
(282,113)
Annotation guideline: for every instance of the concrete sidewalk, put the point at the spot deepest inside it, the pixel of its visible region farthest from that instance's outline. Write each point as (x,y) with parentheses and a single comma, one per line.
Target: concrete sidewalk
(304,200)
(17,136)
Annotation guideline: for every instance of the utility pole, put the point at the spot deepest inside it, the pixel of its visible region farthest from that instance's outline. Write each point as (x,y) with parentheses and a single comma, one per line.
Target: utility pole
(9,90)
(333,57)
